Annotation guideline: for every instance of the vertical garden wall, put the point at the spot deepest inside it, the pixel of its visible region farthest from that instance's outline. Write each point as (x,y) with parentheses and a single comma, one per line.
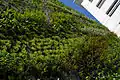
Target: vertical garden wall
(47,40)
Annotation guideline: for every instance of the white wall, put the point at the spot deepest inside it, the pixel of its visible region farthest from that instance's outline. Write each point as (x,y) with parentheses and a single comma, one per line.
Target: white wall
(100,14)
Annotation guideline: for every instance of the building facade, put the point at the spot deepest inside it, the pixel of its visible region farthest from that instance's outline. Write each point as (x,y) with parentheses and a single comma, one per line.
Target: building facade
(106,12)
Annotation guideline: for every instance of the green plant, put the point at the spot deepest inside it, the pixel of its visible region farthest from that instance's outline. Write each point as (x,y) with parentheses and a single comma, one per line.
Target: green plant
(47,40)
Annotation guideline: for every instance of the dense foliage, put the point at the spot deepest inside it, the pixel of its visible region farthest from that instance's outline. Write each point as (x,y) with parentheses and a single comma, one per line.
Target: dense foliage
(43,39)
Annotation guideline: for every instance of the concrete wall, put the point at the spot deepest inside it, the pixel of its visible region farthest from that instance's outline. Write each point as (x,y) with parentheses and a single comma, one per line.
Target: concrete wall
(113,22)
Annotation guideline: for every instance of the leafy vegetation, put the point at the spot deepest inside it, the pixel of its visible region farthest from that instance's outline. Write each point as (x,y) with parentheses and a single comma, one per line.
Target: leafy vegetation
(47,40)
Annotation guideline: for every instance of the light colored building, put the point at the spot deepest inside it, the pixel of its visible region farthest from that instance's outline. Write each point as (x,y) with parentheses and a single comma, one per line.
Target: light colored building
(105,11)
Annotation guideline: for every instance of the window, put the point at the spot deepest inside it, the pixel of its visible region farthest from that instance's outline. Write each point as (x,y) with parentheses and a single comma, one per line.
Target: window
(113,7)
(91,0)
(100,3)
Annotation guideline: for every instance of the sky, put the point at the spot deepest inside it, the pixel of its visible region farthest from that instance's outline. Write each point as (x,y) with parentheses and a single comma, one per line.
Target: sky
(71,4)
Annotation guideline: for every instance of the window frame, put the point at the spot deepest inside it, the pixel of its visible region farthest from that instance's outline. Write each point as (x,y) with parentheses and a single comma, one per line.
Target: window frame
(113,8)
(91,0)
(100,3)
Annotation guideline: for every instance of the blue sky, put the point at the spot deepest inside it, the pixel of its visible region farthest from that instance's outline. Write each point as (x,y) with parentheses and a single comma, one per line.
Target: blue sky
(78,8)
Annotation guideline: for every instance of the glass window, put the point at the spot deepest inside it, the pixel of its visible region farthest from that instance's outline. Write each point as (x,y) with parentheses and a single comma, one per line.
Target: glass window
(113,7)
(91,0)
(100,3)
